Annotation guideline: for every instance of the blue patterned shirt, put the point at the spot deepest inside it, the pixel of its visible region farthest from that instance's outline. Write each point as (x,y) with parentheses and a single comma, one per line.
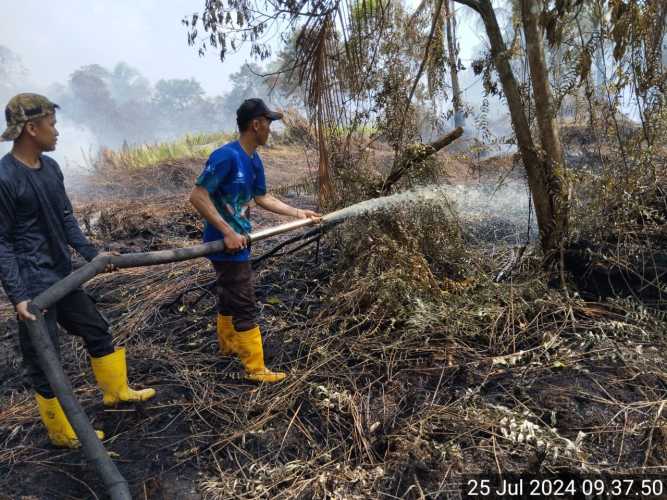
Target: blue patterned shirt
(232,179)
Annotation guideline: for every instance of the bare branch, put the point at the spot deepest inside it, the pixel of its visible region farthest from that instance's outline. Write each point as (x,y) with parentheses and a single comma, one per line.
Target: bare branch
(418,10)
(411,157)
(431,35)
(473,4)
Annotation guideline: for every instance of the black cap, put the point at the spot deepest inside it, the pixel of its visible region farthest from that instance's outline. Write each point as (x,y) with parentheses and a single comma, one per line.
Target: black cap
(254,108)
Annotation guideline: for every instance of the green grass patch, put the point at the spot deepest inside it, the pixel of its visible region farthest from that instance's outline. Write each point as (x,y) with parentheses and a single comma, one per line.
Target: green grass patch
(192,146)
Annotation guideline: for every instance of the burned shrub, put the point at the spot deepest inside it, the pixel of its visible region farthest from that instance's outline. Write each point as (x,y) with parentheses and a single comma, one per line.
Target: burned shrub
(619,242)
(296,130)
(394,259)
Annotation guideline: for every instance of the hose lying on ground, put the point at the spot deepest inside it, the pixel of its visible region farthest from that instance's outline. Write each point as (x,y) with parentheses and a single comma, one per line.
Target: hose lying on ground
(94,450)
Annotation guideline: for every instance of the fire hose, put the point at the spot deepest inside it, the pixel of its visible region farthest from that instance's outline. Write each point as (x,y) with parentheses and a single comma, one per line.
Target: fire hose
(92,447)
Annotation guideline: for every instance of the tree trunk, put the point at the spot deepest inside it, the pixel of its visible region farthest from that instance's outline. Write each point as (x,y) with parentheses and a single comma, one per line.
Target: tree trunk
(599,78)
(545,112)
(319,101)
(544,174)
(325,189)
(452,51)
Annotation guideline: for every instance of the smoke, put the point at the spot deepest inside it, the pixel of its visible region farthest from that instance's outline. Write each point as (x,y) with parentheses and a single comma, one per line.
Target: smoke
(113,107)
(491,212)
(76,145)
(77,142)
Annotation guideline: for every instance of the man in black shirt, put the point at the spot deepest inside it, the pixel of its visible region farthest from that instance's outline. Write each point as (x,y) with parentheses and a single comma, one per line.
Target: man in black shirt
(37,227)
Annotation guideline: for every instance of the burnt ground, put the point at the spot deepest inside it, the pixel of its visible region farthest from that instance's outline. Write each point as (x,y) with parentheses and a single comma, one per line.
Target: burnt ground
(369,409)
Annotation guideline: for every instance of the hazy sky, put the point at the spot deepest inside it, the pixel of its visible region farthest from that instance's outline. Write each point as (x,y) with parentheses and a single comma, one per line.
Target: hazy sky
(54,38)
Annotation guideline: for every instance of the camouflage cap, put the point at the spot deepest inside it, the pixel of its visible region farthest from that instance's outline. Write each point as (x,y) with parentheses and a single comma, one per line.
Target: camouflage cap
(21,109)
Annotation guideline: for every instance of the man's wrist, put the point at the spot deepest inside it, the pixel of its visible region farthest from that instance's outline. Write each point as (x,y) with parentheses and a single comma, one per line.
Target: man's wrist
(228,231)
(224,228)
(18,300)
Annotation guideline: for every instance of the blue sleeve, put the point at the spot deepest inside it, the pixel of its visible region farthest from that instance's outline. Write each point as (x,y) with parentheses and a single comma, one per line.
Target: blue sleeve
(215,171)
(9,269)
(259,182)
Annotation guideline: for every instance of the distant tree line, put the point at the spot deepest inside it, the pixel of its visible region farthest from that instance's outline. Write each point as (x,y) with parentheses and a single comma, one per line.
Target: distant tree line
(119,105)
(12,73)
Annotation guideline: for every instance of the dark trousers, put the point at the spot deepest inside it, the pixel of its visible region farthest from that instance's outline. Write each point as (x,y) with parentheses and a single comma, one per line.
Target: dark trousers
(236,293)
(79,316)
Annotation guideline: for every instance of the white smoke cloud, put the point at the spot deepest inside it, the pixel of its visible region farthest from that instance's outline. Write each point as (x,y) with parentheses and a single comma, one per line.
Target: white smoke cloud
(76,145)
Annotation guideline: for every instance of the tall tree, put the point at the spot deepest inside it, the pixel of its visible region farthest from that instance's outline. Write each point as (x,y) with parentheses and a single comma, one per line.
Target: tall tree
(91,101)
(12,73)
(178,94)
(453,58)
(542,158)
(129,85)
(246,82)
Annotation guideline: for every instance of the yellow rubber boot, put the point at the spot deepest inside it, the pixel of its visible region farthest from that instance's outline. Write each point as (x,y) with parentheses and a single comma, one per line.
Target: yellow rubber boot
(225,335)
(60,430)
(111,375)
(248,346)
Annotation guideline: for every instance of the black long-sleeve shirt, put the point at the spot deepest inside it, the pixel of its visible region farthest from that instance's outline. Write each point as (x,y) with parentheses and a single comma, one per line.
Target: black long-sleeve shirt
(37,225)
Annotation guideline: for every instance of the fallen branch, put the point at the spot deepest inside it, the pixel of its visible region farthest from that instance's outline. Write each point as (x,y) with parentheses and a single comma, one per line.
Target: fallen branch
(317,232)
(414,155)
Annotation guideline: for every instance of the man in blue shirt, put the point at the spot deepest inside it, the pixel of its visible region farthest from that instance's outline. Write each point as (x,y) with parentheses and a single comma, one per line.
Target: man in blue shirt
(232,177)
